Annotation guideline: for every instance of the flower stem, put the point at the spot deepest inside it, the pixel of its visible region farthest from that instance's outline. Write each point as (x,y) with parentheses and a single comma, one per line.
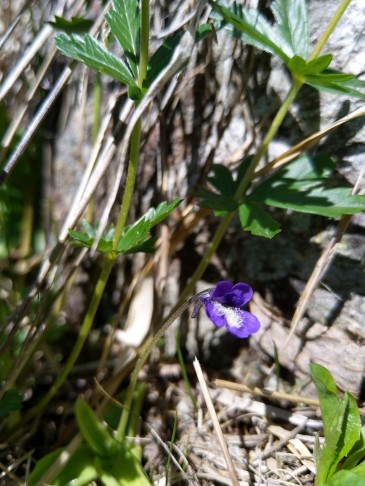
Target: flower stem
(329,29)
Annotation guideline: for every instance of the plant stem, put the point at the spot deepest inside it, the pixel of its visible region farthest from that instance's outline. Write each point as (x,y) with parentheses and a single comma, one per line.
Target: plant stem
(129,188)
(329,29)
(277,121)
(145,34)
(136,135)
(84,331)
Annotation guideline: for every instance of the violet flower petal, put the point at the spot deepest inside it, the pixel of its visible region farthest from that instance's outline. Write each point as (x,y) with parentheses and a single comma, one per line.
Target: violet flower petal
(216,313)
(221,289)
(240,294)
(241,323)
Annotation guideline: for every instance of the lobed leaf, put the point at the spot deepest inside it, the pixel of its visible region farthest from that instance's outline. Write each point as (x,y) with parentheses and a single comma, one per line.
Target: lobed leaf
(156,215)
(257,221)
(255,30)
(222,180)
(292,24)
(89,51)
(124,22)
(350,87)
(217,202)
(301,186)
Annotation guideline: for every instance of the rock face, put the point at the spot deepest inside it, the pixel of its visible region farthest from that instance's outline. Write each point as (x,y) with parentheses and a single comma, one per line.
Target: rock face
(333,330)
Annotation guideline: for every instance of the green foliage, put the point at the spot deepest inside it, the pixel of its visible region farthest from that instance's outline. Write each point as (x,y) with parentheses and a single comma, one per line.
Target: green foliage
(135,238)
(288,38)
(11,401)
(300,186)
(123,20)
(100,457)
(94,432)
(342,431)
(303,186)
(77,25)
(257,221)
(89,51)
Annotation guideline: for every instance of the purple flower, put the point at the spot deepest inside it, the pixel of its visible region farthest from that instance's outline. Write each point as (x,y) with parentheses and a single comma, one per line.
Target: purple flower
(223,307)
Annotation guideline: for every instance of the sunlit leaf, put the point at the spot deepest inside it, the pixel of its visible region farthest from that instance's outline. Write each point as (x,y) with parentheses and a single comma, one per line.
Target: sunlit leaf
(292,24)
(156,215)
(255,30)
(302,186)
(122,470)
(89,51)
(257,221)
(347,478)
(79,470)
(124,23)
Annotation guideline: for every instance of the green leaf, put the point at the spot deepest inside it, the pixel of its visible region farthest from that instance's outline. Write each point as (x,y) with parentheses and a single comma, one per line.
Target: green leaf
(222,180)
(134,235)
(79,470)
(42,466)
(341,422)
(94,432)
(346,478)
(11,401)
(298,66)
(77,25)
(329,77)
(319,64)
(257,221)
(122,470)
(301,186)
(156,215)
(124,23)
(292,24)
(80,239)
(360,469)
(89,51)
(89,229)
(327,393)
(161,58)
(217,202)
(357,453)
(255,30)
(147,246)
(350,88)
